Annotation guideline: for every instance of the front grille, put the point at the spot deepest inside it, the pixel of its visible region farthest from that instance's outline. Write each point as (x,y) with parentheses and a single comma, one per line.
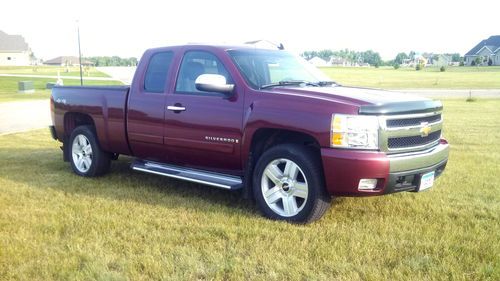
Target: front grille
(413,141)
(410,122)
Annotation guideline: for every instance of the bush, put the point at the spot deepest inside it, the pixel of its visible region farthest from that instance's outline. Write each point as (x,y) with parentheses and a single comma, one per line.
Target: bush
(473,63)
(461,63)
(396,66)
(419,67)
(442,69)
(490,62)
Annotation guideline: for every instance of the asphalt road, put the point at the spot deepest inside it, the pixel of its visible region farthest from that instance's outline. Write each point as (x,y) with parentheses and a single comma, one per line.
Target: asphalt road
(24,116)
(449,93)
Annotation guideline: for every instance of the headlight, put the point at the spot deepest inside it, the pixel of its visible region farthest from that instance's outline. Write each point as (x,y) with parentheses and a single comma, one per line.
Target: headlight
(354,131)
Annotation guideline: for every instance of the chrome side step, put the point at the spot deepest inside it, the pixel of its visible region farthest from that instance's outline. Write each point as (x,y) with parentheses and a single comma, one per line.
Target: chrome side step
(193,175)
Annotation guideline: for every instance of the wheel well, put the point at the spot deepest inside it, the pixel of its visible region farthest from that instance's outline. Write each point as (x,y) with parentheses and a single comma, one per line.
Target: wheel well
(75,119)
(71,121)
(266,138)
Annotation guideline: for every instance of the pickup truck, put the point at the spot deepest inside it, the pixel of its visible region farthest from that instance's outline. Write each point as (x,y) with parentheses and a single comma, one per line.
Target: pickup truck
(262,121)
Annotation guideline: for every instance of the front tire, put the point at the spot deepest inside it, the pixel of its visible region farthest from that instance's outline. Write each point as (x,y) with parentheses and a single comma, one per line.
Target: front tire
(288,184)
(86,156)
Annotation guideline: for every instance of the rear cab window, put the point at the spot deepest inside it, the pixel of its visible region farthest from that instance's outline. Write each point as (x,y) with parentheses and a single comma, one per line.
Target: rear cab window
(156,73)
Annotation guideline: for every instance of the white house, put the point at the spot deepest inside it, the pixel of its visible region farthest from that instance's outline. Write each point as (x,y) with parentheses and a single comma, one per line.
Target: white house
(14,50)
(487,50)
(317,61)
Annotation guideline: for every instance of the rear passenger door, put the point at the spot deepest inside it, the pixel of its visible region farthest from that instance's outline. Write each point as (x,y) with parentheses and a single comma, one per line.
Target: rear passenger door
(146,107)
(207,133)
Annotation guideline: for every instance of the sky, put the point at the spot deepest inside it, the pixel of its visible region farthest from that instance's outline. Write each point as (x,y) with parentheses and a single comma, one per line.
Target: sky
(127,28)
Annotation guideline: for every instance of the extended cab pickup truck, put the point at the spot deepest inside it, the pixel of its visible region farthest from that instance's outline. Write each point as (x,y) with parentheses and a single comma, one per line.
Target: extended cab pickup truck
(263,121)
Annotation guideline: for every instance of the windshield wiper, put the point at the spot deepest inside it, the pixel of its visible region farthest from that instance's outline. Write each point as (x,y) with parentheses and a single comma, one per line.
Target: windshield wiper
(287,83)
(298,82)
(326,83)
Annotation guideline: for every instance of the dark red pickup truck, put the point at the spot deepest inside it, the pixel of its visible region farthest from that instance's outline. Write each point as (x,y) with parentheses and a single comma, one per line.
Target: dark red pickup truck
(263,121)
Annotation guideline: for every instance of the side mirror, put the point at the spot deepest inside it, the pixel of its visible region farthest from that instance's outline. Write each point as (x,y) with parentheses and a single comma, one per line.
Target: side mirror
(213,83)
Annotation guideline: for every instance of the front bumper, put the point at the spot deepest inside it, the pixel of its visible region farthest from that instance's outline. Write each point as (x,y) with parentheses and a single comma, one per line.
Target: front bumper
(343,169)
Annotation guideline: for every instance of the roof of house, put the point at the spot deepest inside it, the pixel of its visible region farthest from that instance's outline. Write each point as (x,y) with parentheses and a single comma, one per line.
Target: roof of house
(13,43)
(493,43)
(67,59)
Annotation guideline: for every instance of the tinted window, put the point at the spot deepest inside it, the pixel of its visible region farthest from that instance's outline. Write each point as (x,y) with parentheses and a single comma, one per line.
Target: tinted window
(194,64)
(156,74)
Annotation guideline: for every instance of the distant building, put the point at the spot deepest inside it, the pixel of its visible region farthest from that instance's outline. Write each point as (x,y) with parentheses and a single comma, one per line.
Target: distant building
(14,50)
(439,60)
(67,61)
(337,61)
(486,50)
(317,61)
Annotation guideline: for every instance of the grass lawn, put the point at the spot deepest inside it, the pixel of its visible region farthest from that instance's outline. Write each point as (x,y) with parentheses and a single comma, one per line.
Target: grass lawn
(8,87)
(409,78)
(51,70)
(126,225)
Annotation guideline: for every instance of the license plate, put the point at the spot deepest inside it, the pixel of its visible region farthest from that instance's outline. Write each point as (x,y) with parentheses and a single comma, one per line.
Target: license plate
(426,181)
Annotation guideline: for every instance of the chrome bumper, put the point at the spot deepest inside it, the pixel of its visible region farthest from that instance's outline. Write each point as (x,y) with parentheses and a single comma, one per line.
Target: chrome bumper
(418,160)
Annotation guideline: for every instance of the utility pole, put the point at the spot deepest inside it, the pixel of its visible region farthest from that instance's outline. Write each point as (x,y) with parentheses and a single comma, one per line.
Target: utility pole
(79,53)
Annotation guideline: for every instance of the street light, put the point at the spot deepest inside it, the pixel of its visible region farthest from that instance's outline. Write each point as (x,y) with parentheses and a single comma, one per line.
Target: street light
(79,52)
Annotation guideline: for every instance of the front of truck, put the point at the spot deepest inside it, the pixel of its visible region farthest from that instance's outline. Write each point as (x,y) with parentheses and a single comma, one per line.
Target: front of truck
(372,142)
(386,148)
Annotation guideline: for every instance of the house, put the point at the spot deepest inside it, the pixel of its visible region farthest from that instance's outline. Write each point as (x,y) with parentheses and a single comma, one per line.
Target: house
(439,60)
(484,52)
(67,61)
(14,50)
(317,61)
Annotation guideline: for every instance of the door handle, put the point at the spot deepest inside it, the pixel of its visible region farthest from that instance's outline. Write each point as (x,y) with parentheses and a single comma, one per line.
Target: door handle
(176,107)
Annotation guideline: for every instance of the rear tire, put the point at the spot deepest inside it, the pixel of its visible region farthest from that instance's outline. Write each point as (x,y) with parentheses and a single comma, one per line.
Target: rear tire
(86,156)
(288,184)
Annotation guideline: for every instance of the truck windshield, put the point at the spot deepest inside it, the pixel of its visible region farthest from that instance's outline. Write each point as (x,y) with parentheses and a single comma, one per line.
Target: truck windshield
(272,68)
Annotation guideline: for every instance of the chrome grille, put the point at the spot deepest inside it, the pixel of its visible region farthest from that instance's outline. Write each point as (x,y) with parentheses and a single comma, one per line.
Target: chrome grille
(410,132)
(396,123)
(413,141)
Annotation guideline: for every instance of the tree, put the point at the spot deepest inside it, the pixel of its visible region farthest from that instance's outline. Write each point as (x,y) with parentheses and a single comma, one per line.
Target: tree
(490,62)
(372,58)
(478,60)
(309,54)
(325,54)
(411,55)
(113,61)
(456,57)
(400,58)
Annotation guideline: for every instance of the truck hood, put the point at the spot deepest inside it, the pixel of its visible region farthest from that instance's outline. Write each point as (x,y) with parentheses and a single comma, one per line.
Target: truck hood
(369,101)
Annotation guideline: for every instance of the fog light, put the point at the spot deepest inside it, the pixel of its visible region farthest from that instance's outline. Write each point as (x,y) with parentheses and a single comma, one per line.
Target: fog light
(367,184)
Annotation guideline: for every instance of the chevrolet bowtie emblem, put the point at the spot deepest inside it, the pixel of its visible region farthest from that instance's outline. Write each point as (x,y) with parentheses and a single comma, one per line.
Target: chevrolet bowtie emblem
(425,130)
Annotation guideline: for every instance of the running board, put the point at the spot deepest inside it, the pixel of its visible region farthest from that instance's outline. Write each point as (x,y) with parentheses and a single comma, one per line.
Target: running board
(193,175)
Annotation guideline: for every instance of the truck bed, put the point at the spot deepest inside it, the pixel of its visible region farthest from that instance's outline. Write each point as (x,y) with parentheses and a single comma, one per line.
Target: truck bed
(106,107)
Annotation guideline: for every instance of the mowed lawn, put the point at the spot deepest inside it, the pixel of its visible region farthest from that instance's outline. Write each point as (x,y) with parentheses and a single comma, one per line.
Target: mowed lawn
(126,225)
(9,87)
(52,70)
(487,77)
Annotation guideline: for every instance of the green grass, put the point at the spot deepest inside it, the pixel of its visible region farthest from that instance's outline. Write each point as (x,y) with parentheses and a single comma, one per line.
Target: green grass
(126,225)
(8,87)
(409,78)
(51,70)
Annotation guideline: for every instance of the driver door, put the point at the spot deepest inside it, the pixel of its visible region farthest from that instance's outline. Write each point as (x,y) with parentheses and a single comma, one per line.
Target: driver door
(203,130)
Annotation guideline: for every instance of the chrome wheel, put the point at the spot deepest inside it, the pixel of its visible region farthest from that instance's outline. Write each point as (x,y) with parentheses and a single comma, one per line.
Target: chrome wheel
(284,187)
(81,151)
